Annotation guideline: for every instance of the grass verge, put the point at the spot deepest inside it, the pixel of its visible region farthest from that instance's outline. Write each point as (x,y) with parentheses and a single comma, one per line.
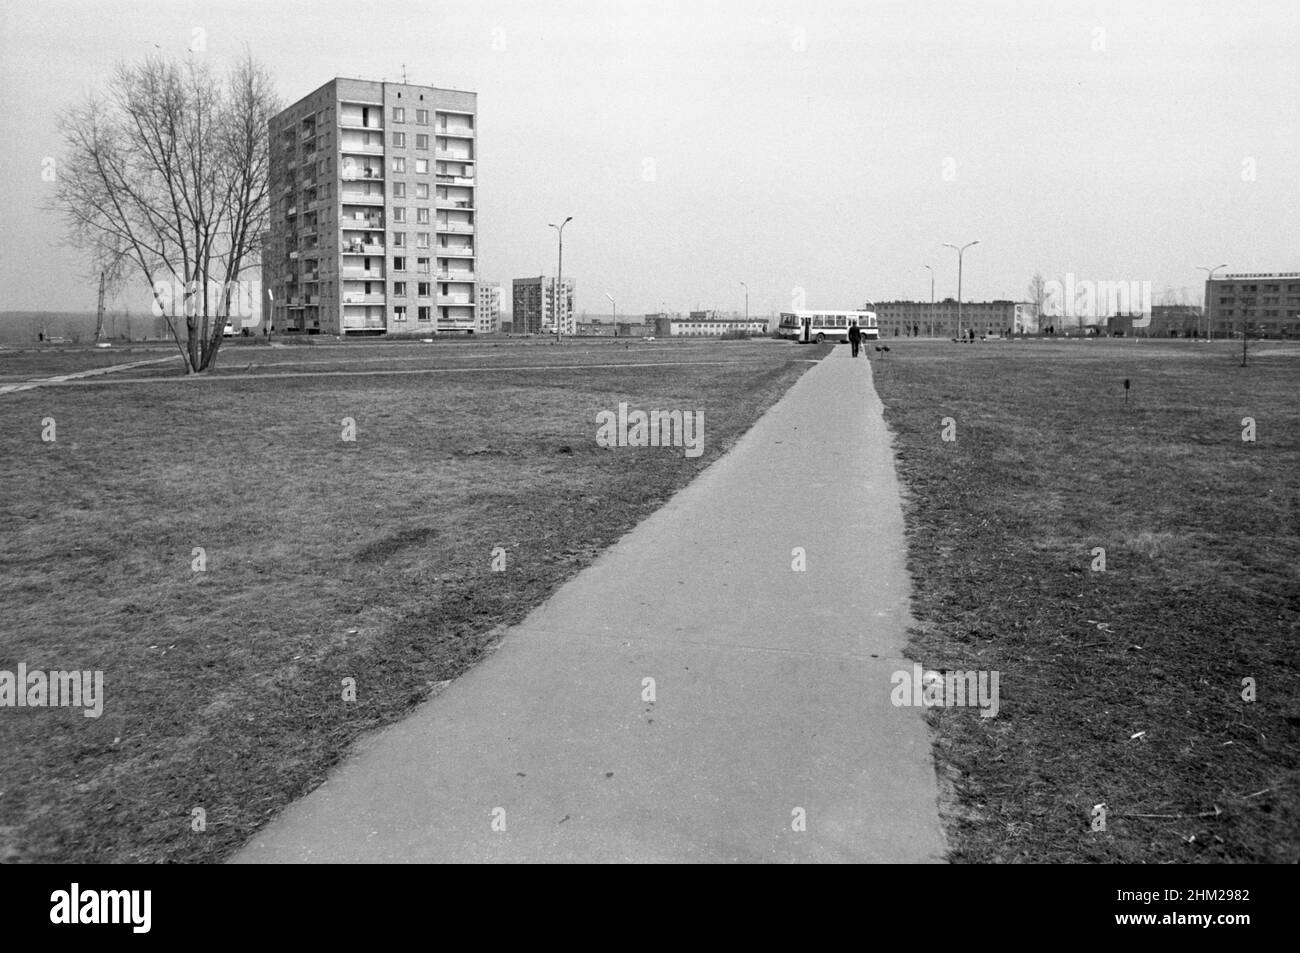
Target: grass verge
(323,560)
(1121,687)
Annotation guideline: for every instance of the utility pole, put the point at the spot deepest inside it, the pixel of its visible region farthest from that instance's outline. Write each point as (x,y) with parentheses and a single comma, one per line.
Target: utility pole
(615,304)
(746,287)
(99,317)
(931,321)
(960,251)
(559,281)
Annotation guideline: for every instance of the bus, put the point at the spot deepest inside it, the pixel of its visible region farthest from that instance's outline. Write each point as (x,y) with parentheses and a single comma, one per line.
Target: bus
(826,325)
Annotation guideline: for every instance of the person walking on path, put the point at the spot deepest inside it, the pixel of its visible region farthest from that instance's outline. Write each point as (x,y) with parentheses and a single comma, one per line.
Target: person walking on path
(855,337)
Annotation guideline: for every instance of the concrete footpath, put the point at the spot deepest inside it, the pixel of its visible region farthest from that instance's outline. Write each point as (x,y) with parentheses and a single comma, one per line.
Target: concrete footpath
(770,736)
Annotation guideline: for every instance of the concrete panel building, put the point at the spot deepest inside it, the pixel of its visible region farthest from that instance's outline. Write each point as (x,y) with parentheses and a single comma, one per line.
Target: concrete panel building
(1267,304)
(923,319)
(487,306)
(373,202)
(533,305)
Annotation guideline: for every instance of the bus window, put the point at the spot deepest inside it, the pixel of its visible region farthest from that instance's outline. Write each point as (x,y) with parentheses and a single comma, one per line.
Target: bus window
(840,321)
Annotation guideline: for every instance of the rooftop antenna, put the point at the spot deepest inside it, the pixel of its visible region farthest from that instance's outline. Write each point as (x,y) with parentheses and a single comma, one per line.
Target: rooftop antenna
(404,74)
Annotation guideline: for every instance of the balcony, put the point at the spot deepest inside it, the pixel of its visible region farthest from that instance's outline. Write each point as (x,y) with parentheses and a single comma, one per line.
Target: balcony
(362,149)
(364,299)
(362,248)
(361,175)
(462,132)
(454,179)
(455,251)
(460,227)
(460,300)
(293,210)
(356,274)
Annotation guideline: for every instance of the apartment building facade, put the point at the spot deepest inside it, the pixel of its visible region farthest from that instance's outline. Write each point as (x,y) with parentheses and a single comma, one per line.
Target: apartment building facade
(373,203)
(487,307)
(533,305)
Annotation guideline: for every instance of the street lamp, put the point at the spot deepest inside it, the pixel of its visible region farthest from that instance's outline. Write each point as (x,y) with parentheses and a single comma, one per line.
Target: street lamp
(931,321)
(615,304)
(1209,298)
(960,252)
(559,281)
(746,287)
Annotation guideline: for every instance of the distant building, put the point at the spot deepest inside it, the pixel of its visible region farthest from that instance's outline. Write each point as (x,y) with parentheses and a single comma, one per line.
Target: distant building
(696,326)
(626,330)
(487,307)
(1166,321)
(372,211)
(922,319)
(534,305)
(602,329)
(1267,304)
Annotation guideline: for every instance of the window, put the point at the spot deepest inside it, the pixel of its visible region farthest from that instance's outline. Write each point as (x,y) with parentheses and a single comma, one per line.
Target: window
(422,116)
(399,289)
(399,313)
(422,240)
(422,289)
(422,165)
(399,164)
(399,239)
(399,213)
(399,264)
(399,114)
(399,190)
(422,265)
(399,140)
(422,141)
(424,312)
(422,216)
(421,190)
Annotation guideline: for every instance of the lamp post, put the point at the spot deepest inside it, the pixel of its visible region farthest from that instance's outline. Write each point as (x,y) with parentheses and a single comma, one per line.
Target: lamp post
(1209,299)
(559,281)
(746,287)
(930,323)
(960,251)
(615,304)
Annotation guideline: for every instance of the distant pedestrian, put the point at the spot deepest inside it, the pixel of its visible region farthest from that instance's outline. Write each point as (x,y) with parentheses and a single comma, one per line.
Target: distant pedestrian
(855,337)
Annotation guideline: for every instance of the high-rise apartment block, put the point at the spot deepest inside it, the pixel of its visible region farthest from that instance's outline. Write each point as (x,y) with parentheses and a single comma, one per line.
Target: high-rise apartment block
(534,306)
(487,306)
(373,206)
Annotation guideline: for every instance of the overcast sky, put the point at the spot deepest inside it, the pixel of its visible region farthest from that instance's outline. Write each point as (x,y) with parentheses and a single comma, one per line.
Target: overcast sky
(824,146)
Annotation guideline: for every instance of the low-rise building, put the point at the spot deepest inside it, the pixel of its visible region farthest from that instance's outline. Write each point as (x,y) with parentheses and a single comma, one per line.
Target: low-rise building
(1266,304)
(923,319)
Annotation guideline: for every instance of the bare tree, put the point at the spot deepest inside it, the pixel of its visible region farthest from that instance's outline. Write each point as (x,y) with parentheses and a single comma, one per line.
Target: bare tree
(168,169)
(1037,292)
